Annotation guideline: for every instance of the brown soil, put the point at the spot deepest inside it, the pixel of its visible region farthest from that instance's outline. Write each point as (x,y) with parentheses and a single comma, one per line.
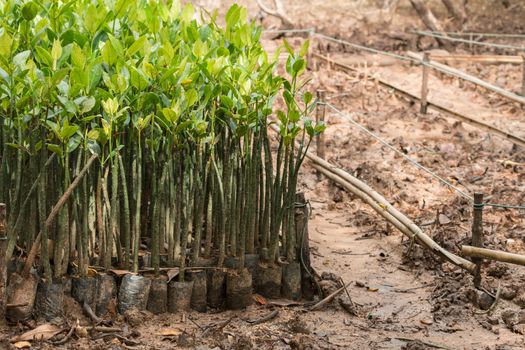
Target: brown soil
(401,298)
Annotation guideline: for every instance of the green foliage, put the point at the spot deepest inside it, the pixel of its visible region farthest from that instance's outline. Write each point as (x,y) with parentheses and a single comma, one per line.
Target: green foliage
(143,78)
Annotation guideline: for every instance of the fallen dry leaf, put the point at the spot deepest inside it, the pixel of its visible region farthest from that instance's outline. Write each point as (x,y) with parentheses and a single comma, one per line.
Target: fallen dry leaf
(43,332)
(170,332)
(172,273)
(259,299)
(372,289)
(22,345)
(120,272)
(443,219)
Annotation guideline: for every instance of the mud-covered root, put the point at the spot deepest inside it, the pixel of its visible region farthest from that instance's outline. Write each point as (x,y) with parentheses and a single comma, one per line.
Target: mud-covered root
(198,295)
(238,289)
(50,300)
(291,283)
(216,286)
(158,296)
(179,296)
(106,294)
(84,290)
(268,282)
(21,292)
(133,293)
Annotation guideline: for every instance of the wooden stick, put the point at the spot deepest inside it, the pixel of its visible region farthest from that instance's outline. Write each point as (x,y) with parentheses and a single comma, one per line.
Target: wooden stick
(265,318)
(66,337)
(436,105)
(477,234)
(89,312)
(490,254)
(494,304)
(433,345)
(470,78)
(10,306)
(328,299)
(424,84)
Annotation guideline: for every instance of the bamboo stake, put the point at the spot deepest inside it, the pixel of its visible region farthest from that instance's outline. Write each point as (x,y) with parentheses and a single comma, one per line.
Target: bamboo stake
(523,74)
(319,117)
(477,234)
(490,254)
(424,83)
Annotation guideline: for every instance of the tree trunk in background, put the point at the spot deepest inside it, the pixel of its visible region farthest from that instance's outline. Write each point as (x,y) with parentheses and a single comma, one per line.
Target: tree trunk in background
(456,9)
(430,21)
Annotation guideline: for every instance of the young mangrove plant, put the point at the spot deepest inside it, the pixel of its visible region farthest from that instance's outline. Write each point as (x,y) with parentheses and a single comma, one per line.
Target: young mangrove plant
(134,135)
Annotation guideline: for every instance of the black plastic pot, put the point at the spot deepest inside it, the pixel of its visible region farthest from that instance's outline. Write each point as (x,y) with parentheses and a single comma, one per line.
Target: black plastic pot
(179,296)
(133,292)
(158,296)
(238,289)
(268,282)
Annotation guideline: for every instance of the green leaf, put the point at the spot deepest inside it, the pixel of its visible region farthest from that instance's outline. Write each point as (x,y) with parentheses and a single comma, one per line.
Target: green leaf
(138,79)
(44,56)
(56,50)
(288,47)
(67,131)
(136,46)
(86,104)
(6,43)
(69,106)
(307,97)
(29,10)
(20,58)
(94,147)
(299,66)
(304,48)
(187,13)
(55,149)
(109,55)
(78,59)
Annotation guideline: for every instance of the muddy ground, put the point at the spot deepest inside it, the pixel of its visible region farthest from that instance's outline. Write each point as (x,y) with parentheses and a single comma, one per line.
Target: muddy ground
(402,298)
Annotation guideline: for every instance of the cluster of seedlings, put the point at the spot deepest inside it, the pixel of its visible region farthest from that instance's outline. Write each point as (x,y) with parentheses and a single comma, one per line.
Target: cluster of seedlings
(134,137)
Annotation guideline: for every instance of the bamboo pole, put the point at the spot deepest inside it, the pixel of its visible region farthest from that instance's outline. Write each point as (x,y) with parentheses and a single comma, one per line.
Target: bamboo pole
(472,79)
(477,234)
(424,84)
(436,105)
(488,59)
(490,254)
(383,207)
(320,117)
(523,74)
